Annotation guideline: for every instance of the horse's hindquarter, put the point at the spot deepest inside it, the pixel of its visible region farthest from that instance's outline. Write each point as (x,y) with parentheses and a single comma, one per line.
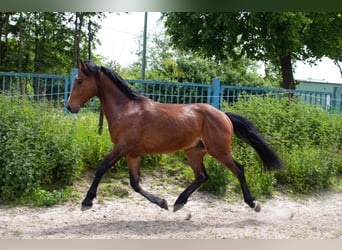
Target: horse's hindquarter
(217,131)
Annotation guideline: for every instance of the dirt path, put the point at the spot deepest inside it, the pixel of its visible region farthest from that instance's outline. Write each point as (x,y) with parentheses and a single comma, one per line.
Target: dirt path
(204,217)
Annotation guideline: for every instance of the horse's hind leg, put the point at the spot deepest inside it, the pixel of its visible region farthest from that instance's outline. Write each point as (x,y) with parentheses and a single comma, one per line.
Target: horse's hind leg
(249,199)
(134,174)
(238,170)
(195,158)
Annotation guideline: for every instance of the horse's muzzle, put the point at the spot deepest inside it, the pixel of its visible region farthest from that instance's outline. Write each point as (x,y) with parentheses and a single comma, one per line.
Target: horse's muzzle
(73,108)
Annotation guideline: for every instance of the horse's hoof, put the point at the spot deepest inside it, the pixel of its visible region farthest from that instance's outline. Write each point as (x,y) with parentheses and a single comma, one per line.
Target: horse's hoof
(86,205)
(164,204)
(257,207)
(177,207)
(85,208)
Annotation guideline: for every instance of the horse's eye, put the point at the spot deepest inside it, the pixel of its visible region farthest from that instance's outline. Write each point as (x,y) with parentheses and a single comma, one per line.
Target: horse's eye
(79,81)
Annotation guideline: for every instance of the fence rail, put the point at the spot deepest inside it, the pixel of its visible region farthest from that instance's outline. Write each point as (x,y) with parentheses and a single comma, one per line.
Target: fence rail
(233,94)
(37,87)
(56,88)
(172,92)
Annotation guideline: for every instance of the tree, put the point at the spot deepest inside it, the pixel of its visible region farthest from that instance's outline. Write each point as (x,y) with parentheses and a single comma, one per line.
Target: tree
(167,64)
(45,42)
(85,28)
(271,37)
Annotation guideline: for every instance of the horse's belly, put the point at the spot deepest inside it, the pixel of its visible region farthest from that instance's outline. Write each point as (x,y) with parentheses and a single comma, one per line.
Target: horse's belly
(169,144)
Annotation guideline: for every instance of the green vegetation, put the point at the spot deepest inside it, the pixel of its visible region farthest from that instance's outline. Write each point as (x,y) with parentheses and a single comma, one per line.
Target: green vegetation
(43,153)
(276,38)
(307,139)
(46,42)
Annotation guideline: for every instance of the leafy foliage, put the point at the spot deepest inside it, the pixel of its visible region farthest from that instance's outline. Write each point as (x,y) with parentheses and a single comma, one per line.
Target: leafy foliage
(278,38)
(219,178)
(305,137)
(35,151)
(44,42)
(166,63)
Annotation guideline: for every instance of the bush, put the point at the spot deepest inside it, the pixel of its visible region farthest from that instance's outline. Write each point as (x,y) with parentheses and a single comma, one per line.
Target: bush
(308,169)
(37,150)
(307,139)
(221,180)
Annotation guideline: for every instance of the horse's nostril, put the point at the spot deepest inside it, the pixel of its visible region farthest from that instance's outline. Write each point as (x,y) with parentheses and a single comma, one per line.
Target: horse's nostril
(73,108)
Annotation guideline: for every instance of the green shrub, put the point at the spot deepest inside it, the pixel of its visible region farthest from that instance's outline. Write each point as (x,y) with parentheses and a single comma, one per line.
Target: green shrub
(307,139)
(308,169)
(94,147)
(37,150)
(41,197)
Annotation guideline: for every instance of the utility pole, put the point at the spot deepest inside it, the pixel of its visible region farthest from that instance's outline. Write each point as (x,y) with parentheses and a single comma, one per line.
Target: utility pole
(89,40)
(90,36)
(143,63)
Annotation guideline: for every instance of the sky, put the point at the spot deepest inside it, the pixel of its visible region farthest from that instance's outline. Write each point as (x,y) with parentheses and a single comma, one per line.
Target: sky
(120,35)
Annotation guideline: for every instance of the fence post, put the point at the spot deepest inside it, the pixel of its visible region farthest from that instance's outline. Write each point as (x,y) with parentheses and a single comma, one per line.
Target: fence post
(68,86)
(215,95)
(66,91)
(74,73)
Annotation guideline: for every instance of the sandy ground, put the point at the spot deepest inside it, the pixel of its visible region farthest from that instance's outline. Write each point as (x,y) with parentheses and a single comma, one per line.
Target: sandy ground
(203,217)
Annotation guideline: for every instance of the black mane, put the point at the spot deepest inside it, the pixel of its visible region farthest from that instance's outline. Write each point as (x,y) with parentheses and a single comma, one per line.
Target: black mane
(116,79)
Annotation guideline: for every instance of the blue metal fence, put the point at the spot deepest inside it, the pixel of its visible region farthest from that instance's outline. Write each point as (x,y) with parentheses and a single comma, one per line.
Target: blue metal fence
(55,90)
(173,92)
(232,94)
(37,87)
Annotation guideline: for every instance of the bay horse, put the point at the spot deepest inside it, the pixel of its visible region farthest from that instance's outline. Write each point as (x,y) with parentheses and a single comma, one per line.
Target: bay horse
(139,126)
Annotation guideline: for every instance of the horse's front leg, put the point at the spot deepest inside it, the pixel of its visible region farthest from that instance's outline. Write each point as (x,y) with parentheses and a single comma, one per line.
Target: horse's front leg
(109,161)
(134,174)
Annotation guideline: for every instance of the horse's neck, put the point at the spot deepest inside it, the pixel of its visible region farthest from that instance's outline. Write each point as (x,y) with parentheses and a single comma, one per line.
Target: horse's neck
(112,99)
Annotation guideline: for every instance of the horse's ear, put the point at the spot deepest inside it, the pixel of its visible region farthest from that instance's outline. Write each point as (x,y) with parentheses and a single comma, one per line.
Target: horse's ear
(83,65)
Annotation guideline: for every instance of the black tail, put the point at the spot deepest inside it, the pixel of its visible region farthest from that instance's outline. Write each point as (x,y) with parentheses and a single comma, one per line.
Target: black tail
(245,130)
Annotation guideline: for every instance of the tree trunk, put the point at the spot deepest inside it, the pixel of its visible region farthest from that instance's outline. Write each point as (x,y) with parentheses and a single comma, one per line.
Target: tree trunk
(339,66)
(4,19)
(77,38)
(37,48)
(286,72)
(20,53)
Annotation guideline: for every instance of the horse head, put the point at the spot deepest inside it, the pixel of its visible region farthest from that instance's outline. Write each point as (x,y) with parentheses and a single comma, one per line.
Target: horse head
(84,87)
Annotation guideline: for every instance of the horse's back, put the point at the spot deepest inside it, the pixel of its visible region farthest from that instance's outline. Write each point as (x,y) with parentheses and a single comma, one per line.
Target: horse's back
(200,121)
(170,127)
